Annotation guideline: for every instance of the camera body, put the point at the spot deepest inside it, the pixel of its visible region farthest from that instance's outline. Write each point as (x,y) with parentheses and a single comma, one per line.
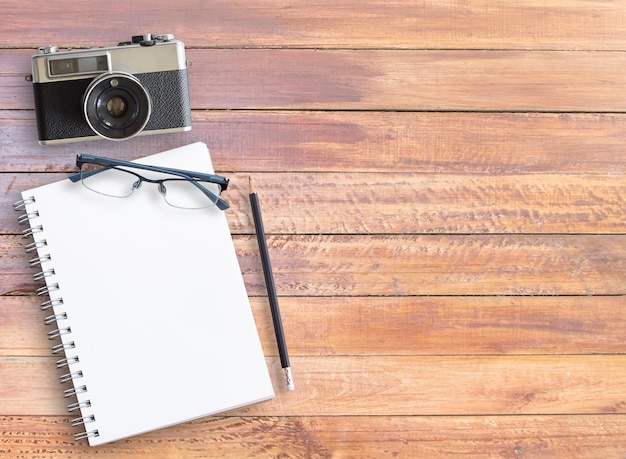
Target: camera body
(135,88)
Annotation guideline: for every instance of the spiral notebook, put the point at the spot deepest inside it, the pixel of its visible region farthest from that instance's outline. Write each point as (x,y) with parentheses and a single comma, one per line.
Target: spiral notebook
(147,305)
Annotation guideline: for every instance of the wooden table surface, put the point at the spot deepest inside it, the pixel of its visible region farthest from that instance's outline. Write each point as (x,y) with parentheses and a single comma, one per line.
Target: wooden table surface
(444,194)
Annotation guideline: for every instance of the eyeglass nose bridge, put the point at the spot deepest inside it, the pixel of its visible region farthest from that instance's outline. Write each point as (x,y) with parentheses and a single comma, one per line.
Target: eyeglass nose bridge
(159,182)
(140,179)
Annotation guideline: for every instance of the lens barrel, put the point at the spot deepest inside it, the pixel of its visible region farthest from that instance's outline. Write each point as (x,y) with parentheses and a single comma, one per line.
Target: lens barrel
(116,106)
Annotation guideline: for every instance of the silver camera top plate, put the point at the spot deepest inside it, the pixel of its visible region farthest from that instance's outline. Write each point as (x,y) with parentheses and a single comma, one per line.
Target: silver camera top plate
(162,54)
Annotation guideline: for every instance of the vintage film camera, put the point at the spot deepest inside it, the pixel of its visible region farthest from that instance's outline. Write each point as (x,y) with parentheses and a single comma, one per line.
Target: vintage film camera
(135,88)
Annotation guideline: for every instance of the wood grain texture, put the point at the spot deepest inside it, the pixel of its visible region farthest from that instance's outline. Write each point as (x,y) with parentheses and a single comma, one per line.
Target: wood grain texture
(408,80)
(553,24)
(321,437)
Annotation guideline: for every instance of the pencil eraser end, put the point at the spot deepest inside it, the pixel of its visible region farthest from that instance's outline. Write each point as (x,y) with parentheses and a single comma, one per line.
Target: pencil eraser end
(289,379)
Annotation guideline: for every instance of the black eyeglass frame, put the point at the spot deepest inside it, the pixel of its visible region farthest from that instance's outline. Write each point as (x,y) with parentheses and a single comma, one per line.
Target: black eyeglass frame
(191,176)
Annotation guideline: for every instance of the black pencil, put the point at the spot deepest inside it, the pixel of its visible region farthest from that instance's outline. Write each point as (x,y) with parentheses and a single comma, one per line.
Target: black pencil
(269,284)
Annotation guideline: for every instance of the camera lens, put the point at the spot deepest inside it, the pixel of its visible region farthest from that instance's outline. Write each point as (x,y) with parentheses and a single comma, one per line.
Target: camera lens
(116,106)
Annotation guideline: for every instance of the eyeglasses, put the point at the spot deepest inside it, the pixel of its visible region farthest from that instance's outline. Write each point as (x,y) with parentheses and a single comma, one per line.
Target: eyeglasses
(180,188)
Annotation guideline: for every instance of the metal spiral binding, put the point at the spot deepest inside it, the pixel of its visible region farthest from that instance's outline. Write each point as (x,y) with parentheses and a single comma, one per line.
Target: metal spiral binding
(46,289)
(70,376)
(67,361)
(78,405)
(74,391)
(43,274)
(84,435)
(20,205)
(58,332)
(32,230)
(51,303)
(56,317)
(63,347)
(27,216)
(36,245)
(39,260)
(82,420)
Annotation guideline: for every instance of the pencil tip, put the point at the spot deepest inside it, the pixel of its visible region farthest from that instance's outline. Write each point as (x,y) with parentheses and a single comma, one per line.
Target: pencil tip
(250,187)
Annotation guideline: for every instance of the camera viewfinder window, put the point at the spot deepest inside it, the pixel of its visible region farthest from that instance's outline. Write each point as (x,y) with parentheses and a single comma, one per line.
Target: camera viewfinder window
(78,65)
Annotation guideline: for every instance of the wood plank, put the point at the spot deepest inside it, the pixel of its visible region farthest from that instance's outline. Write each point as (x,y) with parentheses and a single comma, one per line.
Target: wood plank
(407,80)
(589,436)
(271,141)
(397,326)
(569,24)
(441,265)
(407,265)
(397,203)
(400,203)
(393,385)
